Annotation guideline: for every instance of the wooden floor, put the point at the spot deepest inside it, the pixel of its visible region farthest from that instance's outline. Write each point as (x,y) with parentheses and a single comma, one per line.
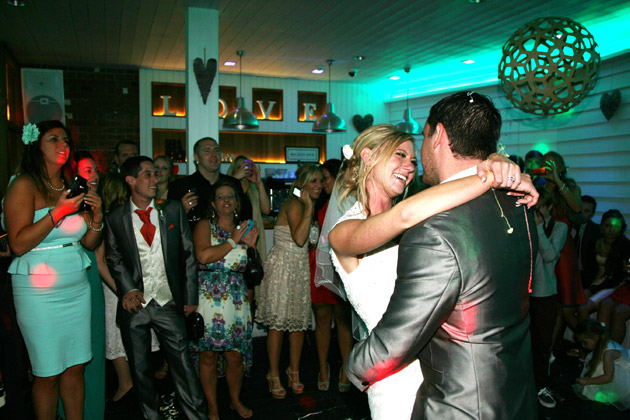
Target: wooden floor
(333,405)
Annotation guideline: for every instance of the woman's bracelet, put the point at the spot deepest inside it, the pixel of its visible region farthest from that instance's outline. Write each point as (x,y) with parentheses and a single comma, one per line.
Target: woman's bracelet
(96,230)
(51,218)
(231,242)
(563,189)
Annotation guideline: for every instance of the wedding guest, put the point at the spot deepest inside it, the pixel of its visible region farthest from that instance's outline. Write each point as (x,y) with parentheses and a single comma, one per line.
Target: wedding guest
(325,303)
(193,191)
(248,173)
(226,346)
(284,302)
(123,150)
(164,174)
(115,194)
(543,300)
(50,286)
(150,256)
(585,236)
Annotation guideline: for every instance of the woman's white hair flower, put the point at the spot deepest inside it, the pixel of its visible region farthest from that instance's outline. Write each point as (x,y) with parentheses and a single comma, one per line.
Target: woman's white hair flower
(30,133)
(347,151)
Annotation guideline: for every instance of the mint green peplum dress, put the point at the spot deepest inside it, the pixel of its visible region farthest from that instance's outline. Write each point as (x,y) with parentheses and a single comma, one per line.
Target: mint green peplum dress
(52,298)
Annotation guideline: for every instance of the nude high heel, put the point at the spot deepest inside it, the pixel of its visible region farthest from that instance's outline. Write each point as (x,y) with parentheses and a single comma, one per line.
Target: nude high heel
(278,392)
(296,386)
(324,385)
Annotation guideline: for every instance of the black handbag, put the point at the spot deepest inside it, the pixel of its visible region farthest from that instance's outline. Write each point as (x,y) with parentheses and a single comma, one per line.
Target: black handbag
(254,272)
(194,326)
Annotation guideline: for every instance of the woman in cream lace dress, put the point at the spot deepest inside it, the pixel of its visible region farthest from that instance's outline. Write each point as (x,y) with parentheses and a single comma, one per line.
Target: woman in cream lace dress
(382,164)
(285,294)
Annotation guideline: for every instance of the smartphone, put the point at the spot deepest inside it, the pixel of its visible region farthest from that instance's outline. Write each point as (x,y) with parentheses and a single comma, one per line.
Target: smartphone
(250,225)
(78,187)
(248,163)
(539,171)
(297,192)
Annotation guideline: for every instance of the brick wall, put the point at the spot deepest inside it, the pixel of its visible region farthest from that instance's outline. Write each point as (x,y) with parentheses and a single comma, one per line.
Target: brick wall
(99,112)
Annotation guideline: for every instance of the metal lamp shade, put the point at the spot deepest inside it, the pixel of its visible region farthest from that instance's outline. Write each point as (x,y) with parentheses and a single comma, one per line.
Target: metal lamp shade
(240,117)
(408,124)
(329,122)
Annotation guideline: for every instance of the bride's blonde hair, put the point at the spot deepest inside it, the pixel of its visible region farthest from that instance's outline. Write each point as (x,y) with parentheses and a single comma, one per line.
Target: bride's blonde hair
(382,140)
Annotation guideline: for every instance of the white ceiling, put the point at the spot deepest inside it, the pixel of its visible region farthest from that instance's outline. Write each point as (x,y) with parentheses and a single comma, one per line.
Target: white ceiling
(288,38)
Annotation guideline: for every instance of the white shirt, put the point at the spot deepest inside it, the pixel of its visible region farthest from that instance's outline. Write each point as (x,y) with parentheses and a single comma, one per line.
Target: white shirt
(544,282)
(151,259)
(462,174)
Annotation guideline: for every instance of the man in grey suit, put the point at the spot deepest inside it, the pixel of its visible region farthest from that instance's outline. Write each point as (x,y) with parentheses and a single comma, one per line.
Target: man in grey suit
(461,298)
(150,256)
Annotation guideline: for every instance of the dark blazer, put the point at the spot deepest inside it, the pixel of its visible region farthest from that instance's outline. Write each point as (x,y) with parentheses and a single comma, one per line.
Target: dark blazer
(585,249)
(460,305)
(123,258)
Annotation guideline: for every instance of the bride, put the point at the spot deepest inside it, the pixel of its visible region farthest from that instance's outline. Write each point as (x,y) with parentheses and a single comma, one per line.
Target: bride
(382,165)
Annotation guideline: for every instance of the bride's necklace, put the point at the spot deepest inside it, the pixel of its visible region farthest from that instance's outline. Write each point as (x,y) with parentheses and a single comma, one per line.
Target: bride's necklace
(63,186)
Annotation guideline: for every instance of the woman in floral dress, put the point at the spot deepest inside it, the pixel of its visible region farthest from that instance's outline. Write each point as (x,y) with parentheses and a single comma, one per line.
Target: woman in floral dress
(221,250)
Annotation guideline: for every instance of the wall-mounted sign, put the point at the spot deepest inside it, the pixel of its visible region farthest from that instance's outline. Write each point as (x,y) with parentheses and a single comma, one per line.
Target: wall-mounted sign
(267,104)
(311,105)
(227,100)
(295,154)
(168,99)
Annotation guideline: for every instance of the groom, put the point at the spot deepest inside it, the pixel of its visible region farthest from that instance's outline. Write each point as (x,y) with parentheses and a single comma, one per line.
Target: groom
(150,256)
(461,297)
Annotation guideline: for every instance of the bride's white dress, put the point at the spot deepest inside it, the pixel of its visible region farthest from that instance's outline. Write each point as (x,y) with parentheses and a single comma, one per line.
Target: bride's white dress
(369,288)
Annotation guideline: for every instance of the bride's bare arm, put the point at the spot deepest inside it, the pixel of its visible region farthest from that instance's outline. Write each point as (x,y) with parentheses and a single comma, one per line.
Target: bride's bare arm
(355,237)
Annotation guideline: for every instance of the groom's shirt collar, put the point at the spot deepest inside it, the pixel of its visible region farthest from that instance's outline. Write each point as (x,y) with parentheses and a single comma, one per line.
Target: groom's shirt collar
(463,174)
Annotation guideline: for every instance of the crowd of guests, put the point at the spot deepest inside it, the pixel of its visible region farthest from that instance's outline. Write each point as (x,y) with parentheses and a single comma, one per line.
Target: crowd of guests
(116,271)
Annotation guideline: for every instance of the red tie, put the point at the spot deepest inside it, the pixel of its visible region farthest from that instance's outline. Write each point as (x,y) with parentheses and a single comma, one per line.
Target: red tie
(148,229)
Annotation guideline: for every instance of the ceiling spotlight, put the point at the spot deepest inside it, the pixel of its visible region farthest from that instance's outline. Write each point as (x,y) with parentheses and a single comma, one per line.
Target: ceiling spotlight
(394,77)
(476,1)
(230,63)
(468,61)
(359,57)
(16,3)
(318,70)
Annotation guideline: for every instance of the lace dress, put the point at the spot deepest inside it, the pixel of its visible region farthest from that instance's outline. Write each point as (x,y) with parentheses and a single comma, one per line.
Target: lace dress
(284,303)
(224,306)
(369,288)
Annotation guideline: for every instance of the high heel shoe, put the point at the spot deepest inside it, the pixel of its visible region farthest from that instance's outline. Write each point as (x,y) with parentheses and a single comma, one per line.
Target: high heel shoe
(343,387)
(296,386)
(278,392)
(324,385)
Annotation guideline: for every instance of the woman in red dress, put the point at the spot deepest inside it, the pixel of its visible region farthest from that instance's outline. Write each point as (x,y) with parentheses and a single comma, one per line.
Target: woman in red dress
(326,303)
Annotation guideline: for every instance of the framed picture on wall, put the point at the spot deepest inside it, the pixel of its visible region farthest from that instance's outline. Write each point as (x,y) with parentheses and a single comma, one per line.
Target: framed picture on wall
(296,154)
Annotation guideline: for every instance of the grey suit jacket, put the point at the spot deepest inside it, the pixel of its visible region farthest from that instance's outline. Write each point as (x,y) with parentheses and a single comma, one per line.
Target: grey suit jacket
(460,305)
(123,258)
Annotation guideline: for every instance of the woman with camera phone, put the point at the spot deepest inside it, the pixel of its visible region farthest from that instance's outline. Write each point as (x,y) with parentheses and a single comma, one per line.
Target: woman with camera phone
(221,243)
(49,274)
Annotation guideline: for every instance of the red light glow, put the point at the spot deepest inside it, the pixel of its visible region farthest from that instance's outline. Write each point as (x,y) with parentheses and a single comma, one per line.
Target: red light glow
(43,276)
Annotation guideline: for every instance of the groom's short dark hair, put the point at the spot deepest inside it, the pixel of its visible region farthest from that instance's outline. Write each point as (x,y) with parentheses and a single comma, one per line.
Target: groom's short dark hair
(471,121)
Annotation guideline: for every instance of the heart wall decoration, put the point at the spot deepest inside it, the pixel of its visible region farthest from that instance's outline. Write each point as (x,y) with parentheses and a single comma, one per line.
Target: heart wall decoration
(609,103)
(205,75)
(361,123)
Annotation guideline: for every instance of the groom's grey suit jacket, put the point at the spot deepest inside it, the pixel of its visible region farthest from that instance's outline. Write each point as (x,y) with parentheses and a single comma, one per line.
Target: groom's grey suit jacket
(460,305)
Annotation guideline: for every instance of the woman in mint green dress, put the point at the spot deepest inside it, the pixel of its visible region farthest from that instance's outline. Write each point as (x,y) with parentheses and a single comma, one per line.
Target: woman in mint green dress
(49,273)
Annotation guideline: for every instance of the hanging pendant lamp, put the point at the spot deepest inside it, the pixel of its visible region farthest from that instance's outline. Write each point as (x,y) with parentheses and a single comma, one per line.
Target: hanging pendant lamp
(240,117)
(329,122)
(408,124)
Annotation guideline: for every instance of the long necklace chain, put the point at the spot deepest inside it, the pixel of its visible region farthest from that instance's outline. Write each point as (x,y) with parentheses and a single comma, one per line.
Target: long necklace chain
(63,186)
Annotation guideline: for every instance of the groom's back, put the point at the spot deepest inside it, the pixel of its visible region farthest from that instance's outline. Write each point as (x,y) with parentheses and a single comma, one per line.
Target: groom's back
(478,363)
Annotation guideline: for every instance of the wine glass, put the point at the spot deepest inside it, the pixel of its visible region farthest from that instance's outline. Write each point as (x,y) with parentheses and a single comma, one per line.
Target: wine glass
(192,214)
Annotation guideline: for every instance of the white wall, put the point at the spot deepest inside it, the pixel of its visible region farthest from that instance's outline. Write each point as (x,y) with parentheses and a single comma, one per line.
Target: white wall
(596,151)
(349,99)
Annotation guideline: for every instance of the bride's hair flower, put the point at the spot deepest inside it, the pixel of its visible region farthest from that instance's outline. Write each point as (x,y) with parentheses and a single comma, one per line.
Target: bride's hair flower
(30,133)
(347,151)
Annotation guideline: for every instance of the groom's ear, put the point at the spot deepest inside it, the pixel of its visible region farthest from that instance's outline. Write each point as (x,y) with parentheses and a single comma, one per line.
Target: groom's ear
(440,137)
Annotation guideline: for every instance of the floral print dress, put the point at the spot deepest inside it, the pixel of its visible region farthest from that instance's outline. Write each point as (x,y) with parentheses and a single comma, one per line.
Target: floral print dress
(224,306)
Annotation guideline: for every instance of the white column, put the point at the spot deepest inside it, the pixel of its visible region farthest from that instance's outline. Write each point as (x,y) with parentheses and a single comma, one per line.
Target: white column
(202,41)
